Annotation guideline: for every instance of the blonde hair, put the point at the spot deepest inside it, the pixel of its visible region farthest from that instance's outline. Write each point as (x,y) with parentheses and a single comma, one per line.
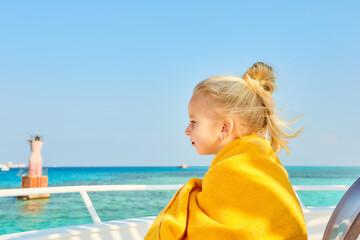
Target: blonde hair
(249,101)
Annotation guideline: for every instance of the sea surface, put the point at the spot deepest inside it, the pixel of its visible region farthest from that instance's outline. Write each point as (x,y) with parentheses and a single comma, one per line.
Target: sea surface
(69,209)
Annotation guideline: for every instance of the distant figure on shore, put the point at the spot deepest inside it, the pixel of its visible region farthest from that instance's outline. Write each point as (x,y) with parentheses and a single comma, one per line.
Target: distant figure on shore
(35,161)
(35,178)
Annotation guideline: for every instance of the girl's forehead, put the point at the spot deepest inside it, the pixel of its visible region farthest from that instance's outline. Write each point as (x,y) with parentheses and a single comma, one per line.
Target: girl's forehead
(199,101)
(201,104)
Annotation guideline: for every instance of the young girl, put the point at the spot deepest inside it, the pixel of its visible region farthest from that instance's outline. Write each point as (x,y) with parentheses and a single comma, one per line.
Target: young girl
(246,194)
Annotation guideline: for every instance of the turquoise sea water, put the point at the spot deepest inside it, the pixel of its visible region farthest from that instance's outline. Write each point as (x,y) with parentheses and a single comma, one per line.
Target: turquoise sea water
(69,209)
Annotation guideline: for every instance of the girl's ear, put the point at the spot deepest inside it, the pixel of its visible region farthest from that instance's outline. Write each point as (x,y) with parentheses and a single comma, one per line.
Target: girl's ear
(227,127)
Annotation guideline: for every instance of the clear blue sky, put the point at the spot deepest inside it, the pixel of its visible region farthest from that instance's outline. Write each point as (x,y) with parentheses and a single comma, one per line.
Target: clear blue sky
(107,83)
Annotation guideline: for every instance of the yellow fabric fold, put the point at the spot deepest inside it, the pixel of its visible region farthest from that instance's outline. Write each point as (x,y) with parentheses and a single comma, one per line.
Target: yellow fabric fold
(246,194)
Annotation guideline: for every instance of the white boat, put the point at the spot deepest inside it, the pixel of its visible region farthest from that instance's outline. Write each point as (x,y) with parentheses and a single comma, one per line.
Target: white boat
(4,168)
(135,228)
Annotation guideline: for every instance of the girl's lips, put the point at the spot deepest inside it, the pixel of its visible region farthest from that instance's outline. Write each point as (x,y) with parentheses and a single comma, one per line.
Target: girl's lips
(192,143)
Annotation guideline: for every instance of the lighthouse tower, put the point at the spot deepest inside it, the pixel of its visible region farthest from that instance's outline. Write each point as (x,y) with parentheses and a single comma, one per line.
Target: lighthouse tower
(34,178)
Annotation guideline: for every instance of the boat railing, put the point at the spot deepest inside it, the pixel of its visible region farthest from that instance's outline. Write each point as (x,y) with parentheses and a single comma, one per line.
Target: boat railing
(83,190)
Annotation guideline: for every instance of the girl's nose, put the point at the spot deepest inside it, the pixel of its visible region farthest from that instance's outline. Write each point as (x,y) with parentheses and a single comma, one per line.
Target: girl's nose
(187,130)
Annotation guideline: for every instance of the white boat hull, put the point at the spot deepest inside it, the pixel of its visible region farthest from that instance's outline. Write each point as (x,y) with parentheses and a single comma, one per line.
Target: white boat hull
(136,228)
(133,228)
(316,218)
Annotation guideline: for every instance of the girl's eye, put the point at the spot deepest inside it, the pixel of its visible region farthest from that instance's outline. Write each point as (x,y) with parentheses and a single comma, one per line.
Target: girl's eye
(193,122)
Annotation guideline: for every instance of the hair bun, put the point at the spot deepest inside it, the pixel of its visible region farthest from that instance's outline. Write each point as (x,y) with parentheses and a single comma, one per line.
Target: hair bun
(263,74)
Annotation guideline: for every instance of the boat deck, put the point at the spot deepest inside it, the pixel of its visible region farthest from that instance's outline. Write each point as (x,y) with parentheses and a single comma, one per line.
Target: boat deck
(135,228)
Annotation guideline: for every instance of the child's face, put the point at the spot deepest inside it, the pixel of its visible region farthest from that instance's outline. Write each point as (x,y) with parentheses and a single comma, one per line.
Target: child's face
(204,128)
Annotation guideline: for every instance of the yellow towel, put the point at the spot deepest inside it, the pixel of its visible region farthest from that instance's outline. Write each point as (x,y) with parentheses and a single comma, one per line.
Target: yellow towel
(246,194)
